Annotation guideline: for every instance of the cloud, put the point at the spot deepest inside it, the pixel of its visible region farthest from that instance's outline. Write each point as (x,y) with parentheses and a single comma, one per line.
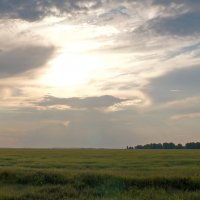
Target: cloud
(76,102)
(114,15)
(166,3)
(69,128)
(192,49)
(56,122)
(23,59)
(177,84)
(186,24)
(190,102)
(6,92)
(35,10)
(90,127)
(185,116)
(171,18)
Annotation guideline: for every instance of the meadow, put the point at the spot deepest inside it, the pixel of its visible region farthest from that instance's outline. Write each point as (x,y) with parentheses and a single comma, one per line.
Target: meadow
(61,174)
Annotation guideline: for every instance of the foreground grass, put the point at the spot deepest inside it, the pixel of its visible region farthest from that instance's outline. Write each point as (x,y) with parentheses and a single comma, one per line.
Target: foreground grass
(99,174)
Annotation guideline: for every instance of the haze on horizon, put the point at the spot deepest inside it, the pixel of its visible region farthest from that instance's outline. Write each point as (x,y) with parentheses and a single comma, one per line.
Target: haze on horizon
(99,73)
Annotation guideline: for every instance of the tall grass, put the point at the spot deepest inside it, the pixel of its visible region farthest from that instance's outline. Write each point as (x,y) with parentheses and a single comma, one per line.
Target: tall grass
(99,174)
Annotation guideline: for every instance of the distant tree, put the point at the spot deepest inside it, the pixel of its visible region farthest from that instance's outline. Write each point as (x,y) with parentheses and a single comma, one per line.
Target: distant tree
(169,145)
(179,146)
(172,145)
(158,146)
(192,145)
(166,145)
(139,147)
(198,145)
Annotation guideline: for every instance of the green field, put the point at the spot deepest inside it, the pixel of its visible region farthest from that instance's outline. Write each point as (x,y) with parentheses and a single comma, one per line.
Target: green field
(27,174)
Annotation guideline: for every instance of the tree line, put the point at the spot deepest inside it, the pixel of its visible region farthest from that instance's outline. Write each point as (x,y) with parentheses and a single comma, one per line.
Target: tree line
(166,145)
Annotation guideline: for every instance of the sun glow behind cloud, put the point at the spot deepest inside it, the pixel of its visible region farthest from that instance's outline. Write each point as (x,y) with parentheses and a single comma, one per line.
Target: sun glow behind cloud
(79,60)
(73,70)
(67,71)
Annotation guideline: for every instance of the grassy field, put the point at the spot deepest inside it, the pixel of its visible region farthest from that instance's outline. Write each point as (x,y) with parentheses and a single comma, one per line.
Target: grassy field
(27,174)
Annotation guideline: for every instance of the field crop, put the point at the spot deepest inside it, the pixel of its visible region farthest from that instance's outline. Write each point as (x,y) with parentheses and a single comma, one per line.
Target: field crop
(61,174)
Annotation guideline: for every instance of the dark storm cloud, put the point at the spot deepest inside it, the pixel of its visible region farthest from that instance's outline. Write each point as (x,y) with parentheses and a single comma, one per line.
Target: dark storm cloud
(178,84)
(32,10)
(22,59)
(75,102)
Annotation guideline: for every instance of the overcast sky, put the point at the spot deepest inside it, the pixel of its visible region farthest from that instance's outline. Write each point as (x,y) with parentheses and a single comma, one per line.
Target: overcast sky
(99,73)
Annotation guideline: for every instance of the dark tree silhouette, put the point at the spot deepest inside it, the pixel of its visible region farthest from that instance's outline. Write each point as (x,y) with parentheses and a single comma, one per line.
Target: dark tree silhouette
(166,145)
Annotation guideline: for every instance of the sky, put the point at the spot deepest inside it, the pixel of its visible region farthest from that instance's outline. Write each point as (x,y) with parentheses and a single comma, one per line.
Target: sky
(99,73)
